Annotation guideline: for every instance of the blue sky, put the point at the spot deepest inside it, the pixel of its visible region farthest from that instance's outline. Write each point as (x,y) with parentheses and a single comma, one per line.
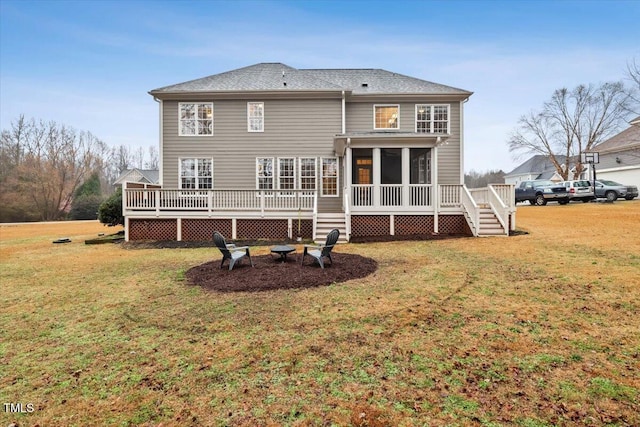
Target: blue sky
(90,64)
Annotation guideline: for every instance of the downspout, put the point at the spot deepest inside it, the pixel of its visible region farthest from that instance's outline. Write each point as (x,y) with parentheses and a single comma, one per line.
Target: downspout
(436,187)
(464,101)
(344,117)
(160,144)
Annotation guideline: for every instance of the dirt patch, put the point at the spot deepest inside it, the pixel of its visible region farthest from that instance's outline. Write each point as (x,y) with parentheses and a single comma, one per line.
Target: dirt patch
(269,273)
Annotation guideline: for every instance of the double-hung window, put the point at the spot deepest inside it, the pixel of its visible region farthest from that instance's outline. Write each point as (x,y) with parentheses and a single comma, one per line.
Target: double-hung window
(329,176)
(307,174)
(432,118)
(255,116)
(287,174)
(195,119)
(196,173)
(386,117)
(264,173)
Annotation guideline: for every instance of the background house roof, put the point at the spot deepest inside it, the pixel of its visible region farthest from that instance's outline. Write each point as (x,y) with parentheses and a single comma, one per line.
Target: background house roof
(281,77)
(152,176)
(625,140)
(538,164)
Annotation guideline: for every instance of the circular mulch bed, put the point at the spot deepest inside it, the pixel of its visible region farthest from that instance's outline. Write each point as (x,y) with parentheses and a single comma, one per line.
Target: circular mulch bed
(269,273)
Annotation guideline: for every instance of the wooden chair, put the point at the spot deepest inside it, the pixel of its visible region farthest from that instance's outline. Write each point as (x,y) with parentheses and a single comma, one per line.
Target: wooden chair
(230,252)
(322,251)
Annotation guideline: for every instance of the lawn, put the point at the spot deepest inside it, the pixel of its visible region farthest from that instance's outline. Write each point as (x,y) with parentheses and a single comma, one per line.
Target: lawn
(541,329)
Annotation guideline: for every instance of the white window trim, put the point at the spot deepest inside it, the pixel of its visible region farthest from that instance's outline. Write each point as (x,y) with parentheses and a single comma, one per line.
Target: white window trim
(249,118)
(431,121)
(337,178)
(180,159)
(385,105)
(294,178)
(315,175)
(273,176)
(180,104)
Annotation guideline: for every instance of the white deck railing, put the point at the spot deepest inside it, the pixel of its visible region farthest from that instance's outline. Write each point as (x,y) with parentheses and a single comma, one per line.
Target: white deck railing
(413,196)
(158,200)
(472,210)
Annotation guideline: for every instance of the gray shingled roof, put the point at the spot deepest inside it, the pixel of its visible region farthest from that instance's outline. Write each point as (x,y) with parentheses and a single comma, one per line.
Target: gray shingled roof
(537,164)
(378,81)
(281,77)
(625,140)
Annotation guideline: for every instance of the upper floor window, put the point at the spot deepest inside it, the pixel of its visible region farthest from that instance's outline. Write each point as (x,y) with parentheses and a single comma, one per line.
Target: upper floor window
(196,173)
(195,119)
(386,117)
(432,118)
(255,116)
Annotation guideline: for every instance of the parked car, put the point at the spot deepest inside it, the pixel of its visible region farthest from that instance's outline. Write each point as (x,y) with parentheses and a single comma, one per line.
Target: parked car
(579,190)
(541,191)
(611,190)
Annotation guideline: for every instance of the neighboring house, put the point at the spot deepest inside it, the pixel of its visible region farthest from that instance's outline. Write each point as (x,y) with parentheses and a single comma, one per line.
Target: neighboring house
(537,167)
(140,176)
(270,151)
(620,156)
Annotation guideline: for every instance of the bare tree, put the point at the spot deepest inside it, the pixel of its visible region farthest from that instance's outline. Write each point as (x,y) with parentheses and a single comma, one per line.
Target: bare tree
(571,122)
(633,75)
(152,162)
(49,162)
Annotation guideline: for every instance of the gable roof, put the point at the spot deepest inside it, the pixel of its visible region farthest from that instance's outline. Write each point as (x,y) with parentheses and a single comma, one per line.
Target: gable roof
(266,77)
(539,164)
(625,140)
(151,176)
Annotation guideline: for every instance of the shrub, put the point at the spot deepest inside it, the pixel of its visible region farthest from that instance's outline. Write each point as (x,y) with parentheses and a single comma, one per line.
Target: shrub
(85,207)
(110,211)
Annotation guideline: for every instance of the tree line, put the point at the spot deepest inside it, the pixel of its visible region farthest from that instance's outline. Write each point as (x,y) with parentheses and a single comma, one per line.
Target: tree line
(51,171)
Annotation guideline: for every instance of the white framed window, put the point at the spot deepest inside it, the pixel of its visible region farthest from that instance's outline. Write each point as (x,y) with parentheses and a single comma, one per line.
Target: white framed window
(329,176)
(255,116)
(264,173)
(195,118)
(386,116)
(307,174)
(196,173)
(287,174)
(432,118)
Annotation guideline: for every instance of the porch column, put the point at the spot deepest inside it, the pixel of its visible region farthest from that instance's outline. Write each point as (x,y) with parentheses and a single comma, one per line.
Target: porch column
(376,177)
(406,176)
(436,190)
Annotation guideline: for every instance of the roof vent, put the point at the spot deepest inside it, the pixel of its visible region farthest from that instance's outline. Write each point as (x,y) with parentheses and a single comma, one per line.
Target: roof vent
(365,84)
(284,83)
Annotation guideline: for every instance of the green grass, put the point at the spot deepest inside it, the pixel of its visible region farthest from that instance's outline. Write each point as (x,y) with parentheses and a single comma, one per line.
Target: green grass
(461,332)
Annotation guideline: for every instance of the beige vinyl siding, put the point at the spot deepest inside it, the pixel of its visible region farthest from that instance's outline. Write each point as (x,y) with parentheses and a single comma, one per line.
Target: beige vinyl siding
(292,128)
(359,118)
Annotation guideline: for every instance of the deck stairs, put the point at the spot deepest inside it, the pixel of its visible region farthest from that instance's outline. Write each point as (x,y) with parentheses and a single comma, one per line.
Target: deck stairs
(326,222)
(489,224)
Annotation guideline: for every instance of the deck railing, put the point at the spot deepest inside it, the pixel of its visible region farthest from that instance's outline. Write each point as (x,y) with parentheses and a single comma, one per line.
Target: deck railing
(157,200)
(391,195)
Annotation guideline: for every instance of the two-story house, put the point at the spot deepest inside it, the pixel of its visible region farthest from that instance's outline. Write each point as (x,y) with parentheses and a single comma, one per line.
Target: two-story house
(270,151)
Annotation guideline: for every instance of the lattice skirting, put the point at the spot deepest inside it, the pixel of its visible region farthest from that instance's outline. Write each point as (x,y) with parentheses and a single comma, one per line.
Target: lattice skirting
(153,229)
(407,225)
(306,228)
(262,229)
(202,229)
(453,224)
(370,225)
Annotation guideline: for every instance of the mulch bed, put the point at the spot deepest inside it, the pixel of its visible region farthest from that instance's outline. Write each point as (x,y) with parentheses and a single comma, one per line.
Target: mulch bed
(269,273)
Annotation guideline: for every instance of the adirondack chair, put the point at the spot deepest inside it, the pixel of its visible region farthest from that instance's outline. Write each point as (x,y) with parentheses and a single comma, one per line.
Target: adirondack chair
(230,252)
(322,251)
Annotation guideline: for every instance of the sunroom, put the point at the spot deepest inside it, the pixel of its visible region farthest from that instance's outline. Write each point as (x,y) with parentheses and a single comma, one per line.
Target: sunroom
(390,171)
